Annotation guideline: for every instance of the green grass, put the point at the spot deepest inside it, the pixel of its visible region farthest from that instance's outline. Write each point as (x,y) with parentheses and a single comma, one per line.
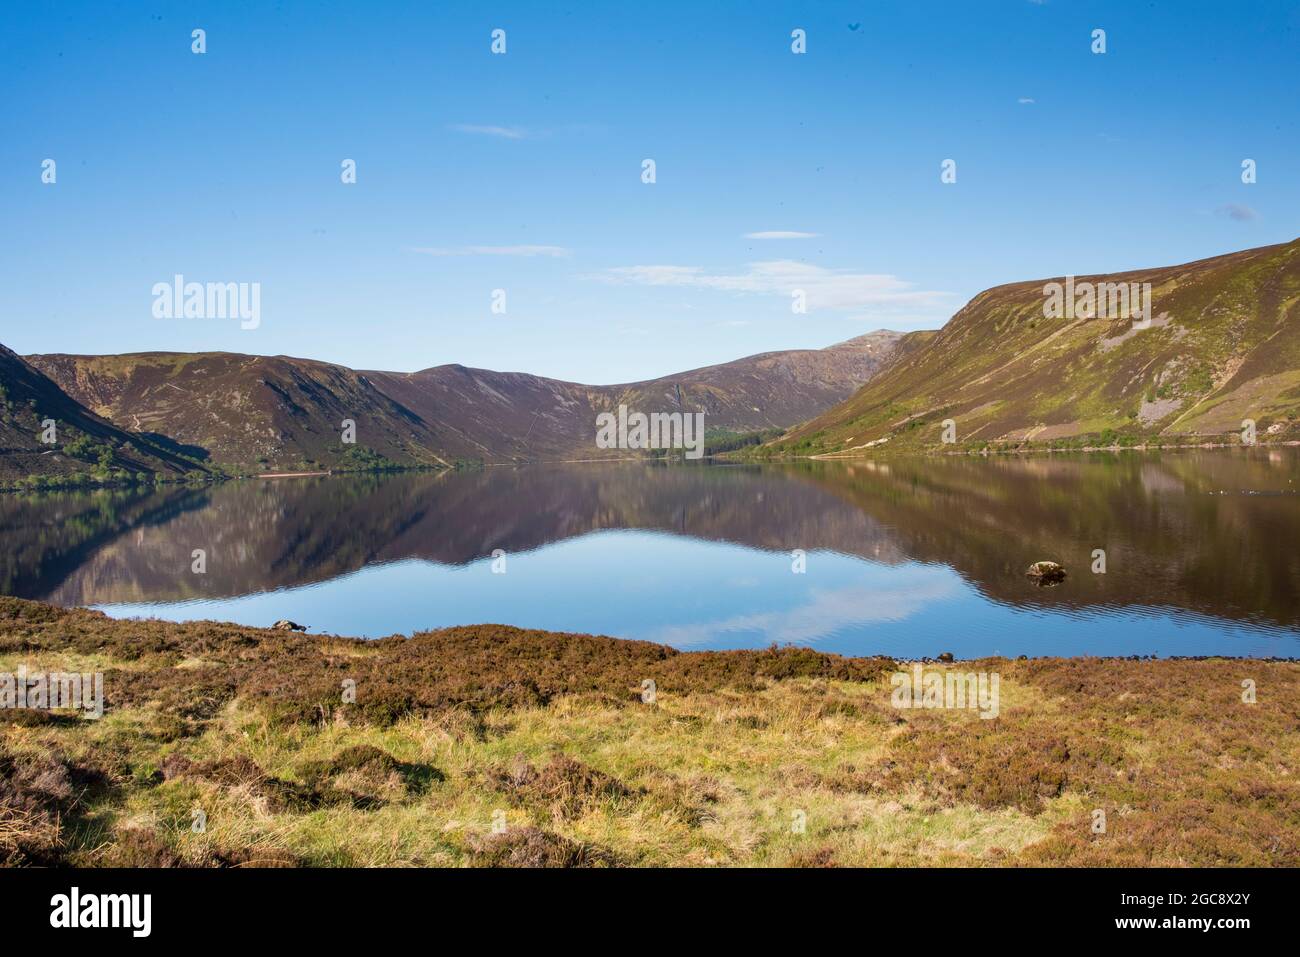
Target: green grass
(771,758)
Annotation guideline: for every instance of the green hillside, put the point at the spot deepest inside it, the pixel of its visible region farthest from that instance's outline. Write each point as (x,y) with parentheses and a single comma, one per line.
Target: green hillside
(1222,346)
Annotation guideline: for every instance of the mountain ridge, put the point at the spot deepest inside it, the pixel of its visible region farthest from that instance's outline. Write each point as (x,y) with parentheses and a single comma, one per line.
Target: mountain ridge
(81,440)
(1222,346)
(284,411)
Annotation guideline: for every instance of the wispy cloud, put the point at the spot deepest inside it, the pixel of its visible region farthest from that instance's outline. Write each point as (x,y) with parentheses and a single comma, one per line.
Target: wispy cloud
(553,251)
(780,234)
(825,288)
(505,132)
(1026,100)
(1238,212)
(824,612)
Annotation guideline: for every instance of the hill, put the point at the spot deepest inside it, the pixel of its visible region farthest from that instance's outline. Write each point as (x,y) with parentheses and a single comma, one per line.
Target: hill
(1221,345)
(84,443)
(282,412)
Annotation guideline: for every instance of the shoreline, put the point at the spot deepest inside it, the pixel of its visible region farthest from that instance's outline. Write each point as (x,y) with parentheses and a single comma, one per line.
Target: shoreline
(9,486)
(940,658)
(1087,450)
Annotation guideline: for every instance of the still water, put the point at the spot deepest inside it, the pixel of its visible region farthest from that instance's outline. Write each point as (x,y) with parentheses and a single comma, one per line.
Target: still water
(901,557)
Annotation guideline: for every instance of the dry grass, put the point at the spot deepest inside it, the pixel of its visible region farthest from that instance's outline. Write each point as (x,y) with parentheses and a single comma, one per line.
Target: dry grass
(502,747)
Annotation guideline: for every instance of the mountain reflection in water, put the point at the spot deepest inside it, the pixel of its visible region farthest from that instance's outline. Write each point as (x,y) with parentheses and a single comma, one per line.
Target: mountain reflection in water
(906,557)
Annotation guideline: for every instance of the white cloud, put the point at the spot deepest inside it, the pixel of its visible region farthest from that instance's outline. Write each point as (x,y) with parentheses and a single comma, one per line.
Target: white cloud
(1026,100)
(554,251)
(825,288)
(505,132)
(780,234)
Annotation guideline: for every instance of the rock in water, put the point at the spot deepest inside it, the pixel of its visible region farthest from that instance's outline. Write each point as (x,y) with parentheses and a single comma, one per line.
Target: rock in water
(284,624)
(1046,573)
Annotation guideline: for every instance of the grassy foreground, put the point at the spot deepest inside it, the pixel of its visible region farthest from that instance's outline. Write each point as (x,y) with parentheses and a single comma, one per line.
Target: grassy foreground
(494,746)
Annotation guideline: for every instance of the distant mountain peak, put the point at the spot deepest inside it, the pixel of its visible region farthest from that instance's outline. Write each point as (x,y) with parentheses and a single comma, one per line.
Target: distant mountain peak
(281,411)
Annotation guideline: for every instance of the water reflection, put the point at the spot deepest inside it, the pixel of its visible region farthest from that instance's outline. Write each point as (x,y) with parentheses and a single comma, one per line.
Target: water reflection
(1199,550)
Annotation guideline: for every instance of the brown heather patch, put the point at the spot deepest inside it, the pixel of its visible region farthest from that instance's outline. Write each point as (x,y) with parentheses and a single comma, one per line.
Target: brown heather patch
(533,847)
(242,773)
(819,857)
(298,678)
(370,775)
(567,788)
(247,724)
(975,761)
(1192,832)
(32,797)
(687,799)
(1204,779)
(1186,772)
(145,847)
(41,793)
(362,777)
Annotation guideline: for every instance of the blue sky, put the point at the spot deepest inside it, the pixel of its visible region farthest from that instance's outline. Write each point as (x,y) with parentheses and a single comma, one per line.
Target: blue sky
(522,171)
